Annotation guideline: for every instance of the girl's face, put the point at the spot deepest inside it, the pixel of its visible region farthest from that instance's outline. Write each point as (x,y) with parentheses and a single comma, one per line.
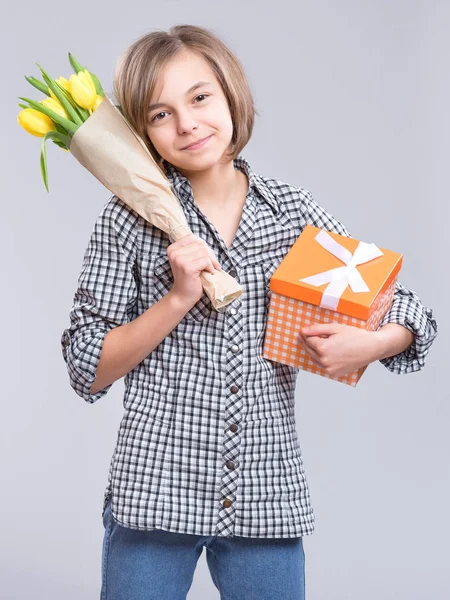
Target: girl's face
(188,105)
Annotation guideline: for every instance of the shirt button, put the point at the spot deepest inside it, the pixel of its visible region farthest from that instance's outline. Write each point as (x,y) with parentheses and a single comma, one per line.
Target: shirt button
(231,465)
(232,272)
(234,389)
(233,427)
(226,503)
(234,348)
(232,311)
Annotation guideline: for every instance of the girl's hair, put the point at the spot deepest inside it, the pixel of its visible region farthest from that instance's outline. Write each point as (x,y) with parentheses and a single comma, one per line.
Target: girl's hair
(138,68)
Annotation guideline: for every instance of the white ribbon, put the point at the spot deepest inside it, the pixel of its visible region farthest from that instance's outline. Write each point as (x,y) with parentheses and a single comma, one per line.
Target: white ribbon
(340,277)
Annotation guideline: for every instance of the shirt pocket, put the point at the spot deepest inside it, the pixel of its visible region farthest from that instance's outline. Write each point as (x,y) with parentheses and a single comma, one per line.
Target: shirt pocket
(162,284)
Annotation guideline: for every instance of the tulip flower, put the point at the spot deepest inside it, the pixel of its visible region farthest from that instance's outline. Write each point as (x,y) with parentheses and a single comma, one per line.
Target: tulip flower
(55,105)
(68,104)
(63,83)
(77,68)
(82,89)
(35,122)
(105,144)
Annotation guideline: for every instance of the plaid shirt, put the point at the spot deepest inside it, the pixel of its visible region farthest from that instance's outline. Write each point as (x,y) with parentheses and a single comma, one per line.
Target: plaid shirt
(207,444)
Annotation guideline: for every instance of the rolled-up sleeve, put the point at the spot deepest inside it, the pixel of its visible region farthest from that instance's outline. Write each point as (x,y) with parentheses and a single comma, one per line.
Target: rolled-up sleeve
(105,297)
(406,309)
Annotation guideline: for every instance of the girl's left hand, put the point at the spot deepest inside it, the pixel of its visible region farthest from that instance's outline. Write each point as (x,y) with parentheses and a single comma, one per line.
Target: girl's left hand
(338,348)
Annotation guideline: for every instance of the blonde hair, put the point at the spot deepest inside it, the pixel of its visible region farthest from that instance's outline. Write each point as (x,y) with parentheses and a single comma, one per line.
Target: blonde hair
(138,69)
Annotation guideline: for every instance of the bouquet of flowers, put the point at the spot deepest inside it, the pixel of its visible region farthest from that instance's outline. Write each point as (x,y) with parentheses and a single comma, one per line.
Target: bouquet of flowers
(79,117)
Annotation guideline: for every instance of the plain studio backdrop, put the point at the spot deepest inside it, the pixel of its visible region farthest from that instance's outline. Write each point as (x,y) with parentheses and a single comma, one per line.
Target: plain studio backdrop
(354,106)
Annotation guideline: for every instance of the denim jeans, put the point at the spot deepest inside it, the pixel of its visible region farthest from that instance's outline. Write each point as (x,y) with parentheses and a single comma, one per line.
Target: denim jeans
(160,565)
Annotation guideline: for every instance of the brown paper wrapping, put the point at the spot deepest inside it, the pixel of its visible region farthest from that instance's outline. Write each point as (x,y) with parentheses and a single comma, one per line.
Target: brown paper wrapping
(109,148)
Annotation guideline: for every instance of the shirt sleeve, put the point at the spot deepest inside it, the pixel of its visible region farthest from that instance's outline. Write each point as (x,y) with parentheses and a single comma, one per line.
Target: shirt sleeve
(406,309)
(105,295)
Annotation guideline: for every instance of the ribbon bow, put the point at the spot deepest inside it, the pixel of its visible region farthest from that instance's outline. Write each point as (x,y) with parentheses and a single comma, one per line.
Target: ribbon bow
(340,277)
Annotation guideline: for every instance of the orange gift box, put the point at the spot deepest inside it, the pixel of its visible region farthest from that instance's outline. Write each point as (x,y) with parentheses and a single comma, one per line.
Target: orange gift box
(327,278)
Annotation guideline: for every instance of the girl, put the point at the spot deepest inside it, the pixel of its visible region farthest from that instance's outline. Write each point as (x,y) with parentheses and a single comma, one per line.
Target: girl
(207,451)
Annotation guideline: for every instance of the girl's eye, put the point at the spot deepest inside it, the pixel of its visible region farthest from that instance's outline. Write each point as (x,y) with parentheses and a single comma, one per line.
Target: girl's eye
(156,117)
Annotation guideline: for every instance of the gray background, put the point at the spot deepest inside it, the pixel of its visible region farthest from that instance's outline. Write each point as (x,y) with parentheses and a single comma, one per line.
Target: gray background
(354,103)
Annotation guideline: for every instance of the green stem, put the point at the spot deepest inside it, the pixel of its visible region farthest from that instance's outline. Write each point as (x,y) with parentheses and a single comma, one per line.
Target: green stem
(55,136)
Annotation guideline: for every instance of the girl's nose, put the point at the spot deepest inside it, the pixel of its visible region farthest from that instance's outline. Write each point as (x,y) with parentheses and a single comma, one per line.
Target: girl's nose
(186,123)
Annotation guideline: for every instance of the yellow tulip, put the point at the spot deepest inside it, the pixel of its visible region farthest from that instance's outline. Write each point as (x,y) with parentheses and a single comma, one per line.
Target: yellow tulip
(63,83)
(56,106)
(98,101)
(82,89)
(35,122)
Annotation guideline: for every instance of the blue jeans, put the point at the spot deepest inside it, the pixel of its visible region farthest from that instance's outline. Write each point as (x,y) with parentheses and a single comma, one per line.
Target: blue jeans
(160,565)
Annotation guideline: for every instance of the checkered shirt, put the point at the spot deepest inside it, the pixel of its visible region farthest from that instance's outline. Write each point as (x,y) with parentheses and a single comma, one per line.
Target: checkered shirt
(208,444)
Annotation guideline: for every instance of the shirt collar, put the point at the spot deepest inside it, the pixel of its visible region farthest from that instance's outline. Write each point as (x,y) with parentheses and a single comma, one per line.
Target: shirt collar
(181,185)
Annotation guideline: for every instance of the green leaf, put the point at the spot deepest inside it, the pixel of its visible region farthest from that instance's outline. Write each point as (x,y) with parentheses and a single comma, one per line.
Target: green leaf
(61,97)
(53,135)
(98,85)
(82,112)
(60,129)
(60,144)
(68,125)
(67,95)
(38,85)
(75,64)
(23,105)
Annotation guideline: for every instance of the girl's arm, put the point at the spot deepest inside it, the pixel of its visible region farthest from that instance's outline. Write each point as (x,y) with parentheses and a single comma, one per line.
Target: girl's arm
(105,297)
(407,310)
(126,346)
(105,340)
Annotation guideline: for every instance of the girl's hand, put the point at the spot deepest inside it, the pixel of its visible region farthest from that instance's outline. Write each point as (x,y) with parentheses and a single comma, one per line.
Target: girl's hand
(188,257)
(338,348)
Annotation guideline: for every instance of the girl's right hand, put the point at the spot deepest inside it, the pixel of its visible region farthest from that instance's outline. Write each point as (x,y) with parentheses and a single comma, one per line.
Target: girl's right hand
(188,257)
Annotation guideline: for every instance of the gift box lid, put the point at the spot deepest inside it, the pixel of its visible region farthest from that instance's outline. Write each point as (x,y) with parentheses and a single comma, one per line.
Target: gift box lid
(360,267)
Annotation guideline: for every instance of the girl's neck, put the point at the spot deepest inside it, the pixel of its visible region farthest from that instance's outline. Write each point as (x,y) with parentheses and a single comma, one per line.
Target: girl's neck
(219,186)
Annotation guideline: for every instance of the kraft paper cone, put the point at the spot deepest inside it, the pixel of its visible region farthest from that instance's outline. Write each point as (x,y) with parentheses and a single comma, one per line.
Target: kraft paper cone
(108,148)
